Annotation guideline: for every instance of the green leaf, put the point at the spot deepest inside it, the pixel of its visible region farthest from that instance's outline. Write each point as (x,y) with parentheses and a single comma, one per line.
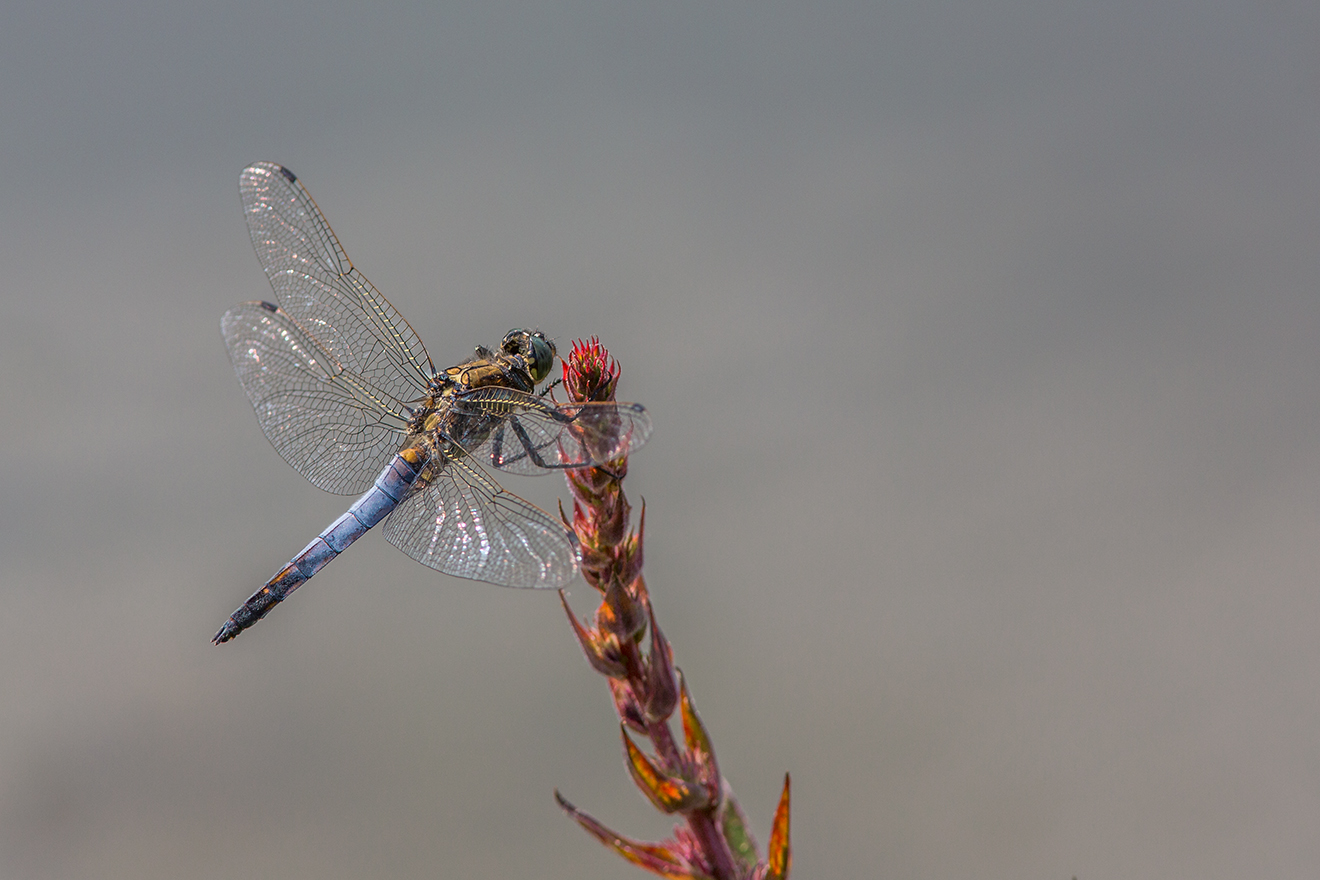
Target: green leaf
(734,824)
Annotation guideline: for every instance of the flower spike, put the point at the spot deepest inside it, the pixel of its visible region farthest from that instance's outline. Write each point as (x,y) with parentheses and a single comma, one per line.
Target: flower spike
(713,842)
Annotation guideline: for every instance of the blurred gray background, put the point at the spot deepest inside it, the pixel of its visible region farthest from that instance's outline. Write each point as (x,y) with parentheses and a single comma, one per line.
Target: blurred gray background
(982,343)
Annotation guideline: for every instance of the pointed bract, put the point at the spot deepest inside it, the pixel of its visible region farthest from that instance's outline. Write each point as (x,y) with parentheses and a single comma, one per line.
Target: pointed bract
(593,645)
(669,793)
(780,855)
(662,689)
(611,529)
(625,704)
(631,558)
(653,857)
(697,740)
(621,613)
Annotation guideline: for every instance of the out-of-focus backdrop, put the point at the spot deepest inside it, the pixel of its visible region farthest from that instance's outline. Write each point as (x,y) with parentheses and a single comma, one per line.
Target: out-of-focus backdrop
(983,348)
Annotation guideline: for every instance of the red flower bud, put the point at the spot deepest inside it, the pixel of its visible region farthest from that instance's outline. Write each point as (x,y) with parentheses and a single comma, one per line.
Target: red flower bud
(590,374)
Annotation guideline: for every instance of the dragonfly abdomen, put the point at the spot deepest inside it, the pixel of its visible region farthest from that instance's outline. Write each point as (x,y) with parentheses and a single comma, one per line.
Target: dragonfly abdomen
(391,487)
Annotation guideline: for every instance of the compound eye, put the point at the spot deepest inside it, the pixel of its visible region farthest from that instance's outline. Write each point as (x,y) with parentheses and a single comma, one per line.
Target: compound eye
(540,356)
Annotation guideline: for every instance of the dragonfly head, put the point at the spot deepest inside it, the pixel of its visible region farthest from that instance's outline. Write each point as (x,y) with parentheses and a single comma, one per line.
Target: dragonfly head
(537,352)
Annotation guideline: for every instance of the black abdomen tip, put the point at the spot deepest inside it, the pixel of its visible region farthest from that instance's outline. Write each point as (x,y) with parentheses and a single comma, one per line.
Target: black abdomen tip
(227,632)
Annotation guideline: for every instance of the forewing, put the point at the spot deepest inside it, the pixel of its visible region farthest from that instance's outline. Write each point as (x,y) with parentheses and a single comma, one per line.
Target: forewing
(462,523)
(535,435)
(334,427)
(316,284)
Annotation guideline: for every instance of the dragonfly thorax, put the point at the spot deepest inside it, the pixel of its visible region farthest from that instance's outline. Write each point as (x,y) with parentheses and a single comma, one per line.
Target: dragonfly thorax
(523,359)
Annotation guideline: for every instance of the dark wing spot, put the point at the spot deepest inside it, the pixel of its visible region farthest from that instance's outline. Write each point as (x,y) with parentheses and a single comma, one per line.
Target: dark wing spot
(270,307)
(288,175)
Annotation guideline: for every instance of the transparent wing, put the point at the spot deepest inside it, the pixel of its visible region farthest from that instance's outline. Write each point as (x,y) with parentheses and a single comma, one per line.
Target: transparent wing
(316,284)
(333,426)
(534,435)
(464,524)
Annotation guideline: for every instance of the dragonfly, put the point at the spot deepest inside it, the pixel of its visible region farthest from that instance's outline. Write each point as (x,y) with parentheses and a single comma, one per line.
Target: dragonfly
(344,390)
